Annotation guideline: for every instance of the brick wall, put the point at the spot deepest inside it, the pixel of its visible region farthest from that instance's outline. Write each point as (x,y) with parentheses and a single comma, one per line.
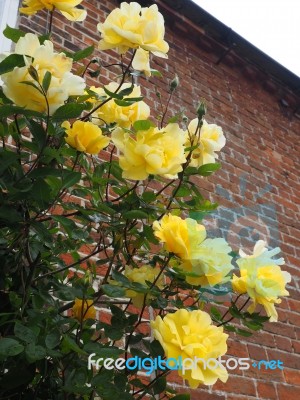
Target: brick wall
(258,187)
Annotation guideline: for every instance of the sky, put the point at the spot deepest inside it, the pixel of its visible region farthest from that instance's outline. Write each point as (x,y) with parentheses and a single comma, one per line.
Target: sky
(271,25)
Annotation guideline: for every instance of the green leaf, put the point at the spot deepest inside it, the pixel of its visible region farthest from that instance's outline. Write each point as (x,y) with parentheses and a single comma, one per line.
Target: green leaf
(160,385)
(13,34)
(38,133)
(157,73)
(216,313)
(52,340)
(183,192)
(67,111)
(70,178)
(156,349)
(10,62)
(197,215)
(79,55)
(255,326)
(68,224)
(46,81)
(41,192)
(126,91)
(235,312)
(24,333)
(70,344)
(7,110)
(7,158)
(10,347)
(135,214)
(103,351)
(34,352)
(143,125)
(112,94)
(208,169)
(124,103)
(113,291)
(10,215)
(117,276)
(181,397)
(105,208)
(242,332)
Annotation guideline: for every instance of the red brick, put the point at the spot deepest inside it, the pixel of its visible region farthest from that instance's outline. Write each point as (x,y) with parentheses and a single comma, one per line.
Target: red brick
(287,392)
(266,390)
(237,384)
(292,376)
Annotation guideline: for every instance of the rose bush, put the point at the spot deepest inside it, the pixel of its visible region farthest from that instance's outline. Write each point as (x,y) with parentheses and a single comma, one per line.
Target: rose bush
(101,234)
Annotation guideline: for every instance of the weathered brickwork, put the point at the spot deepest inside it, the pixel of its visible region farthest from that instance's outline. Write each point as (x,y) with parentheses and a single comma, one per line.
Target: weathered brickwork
(258,187)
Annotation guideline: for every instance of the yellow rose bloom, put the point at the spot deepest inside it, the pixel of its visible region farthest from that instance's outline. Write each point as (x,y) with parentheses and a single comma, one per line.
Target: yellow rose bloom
(180,236)
(208,140)
(85,136)
(43,58)
(133,26)
(83,310)
(262,279)
(66,7)
(156,152)
(141,275)
(191,335)
(111,113)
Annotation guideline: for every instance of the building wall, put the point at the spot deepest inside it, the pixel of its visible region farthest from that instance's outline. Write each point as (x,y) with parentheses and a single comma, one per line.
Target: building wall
(258,188)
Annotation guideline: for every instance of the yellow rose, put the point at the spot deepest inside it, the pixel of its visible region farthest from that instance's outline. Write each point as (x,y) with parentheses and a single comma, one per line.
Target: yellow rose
(262,279)
(133,26)
(111,113)
(83,309)
(141,275)
(85,136)
(180,236)
(191,335)
(156,152)
(43,58)
(210,263)
(66,7)
(208,140)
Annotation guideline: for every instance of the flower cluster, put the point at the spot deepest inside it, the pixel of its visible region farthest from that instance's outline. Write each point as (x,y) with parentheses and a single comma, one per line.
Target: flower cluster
(134,27)
(21,86)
